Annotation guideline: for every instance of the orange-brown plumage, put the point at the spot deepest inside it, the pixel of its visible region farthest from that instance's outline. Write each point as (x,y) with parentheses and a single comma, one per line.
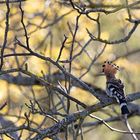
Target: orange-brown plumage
(110,69)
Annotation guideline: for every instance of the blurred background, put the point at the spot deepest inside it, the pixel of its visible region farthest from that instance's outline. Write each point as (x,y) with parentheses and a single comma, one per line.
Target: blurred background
(54,27)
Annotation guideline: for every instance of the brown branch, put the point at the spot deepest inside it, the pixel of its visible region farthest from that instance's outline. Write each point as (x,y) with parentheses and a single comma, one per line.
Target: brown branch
(23,24)
(62,47)
(49,132)
(125,39)
(94,7)
(6,33)
(12,1)
(55,129)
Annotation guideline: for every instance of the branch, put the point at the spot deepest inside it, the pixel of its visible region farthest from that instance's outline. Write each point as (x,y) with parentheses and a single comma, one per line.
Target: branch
(125,39)
(134,109)
(6,33)
(58,127)
(12,1)
(94,7)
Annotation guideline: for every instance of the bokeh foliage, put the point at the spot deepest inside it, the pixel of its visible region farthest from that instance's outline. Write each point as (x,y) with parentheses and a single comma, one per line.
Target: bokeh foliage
(48,22)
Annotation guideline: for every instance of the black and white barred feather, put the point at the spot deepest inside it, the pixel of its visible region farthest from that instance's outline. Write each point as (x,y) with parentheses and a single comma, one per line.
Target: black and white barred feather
(115,87)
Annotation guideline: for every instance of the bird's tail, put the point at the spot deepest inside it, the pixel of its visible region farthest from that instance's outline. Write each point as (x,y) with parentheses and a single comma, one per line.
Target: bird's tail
(124,108)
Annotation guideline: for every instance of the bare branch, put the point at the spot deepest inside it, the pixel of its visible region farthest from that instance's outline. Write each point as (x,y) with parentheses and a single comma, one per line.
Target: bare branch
(6,33)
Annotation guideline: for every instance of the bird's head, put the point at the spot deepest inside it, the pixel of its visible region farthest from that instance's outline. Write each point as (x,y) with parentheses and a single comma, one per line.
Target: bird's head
(110,69)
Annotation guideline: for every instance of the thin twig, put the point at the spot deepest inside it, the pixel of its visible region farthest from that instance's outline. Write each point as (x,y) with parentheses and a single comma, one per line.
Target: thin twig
(129,128)
(23,24)
(126,38)
(6,33)
(62,47)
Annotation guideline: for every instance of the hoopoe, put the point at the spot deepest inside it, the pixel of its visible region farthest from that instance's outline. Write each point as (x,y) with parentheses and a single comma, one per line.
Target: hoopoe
(114,86)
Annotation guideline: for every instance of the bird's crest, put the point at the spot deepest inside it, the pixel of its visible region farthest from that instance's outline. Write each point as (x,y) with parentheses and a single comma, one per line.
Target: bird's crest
(109,68)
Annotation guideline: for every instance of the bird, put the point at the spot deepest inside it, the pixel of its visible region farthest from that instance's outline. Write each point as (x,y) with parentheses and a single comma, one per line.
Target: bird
(114,86)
